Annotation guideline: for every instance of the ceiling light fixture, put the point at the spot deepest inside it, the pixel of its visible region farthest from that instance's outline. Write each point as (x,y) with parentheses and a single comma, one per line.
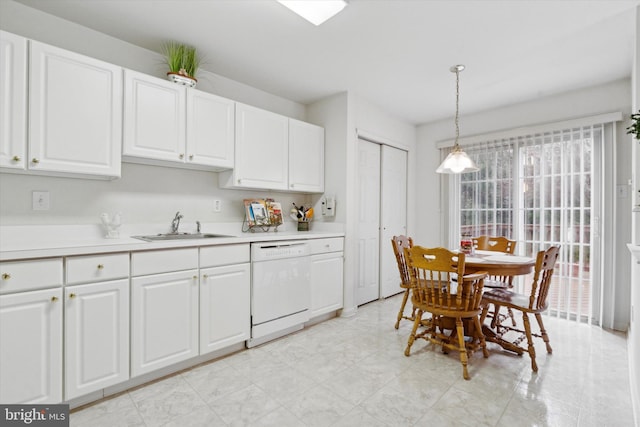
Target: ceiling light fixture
(315,11)
(457,161)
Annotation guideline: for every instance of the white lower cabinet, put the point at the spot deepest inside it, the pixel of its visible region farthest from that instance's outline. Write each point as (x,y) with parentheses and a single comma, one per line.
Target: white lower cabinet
(31,347)
(96,336)
(224,306)
(327,263)
(225,296)
(164,320)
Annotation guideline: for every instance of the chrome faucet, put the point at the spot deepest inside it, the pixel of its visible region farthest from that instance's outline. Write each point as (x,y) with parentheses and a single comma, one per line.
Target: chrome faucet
(198,227)
(175,224)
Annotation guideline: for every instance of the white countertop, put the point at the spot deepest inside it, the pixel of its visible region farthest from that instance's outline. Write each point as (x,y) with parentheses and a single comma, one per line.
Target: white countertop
(43,241)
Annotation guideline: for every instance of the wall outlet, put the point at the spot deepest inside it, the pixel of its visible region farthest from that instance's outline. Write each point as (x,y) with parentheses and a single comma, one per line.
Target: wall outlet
(40,200)
(217,205)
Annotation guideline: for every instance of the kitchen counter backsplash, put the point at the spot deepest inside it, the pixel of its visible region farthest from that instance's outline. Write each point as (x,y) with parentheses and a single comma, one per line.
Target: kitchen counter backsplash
(36,241)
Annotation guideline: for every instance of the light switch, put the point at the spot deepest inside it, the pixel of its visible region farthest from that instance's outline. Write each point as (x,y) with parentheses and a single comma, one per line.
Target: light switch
(40,200)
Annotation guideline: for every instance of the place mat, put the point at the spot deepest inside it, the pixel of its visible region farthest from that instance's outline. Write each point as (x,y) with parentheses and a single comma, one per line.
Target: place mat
(508,258)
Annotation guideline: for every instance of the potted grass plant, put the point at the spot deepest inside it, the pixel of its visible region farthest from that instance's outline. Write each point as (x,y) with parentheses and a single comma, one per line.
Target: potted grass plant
(183,62)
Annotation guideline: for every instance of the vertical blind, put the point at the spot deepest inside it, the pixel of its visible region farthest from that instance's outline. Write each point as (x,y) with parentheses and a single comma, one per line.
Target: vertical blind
(537,189)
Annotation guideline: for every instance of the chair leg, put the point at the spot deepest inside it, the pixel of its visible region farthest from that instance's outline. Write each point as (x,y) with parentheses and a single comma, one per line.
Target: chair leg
(412,337)
(485,311)
(401,312)
(531,348)
(462,348)
(543,332)
(495,320)
(483,342)
(513,318)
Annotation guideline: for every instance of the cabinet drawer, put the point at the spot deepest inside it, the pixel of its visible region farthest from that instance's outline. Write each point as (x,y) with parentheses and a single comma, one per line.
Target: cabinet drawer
(321,246)
(213,256)
(153,262)
(21,276)
(94,268)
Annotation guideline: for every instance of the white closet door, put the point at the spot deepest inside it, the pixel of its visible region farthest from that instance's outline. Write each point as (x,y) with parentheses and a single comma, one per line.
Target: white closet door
(368,286)
(393,208)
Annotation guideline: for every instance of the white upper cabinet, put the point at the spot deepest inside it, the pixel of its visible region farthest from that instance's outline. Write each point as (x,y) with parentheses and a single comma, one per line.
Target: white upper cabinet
(13,101)
(75,113)
(210,130)
(154,124)
(261,150)
(306,157)
(170,125)
(274,152)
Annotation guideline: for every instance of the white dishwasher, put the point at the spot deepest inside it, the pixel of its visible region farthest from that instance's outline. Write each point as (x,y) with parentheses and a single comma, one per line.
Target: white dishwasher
(280,289)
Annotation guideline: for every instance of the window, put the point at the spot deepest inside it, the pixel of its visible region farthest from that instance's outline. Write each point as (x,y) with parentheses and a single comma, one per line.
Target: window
(537,189)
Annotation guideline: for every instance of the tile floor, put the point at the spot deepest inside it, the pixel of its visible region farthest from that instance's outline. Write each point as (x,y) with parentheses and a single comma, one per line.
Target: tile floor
(352,372)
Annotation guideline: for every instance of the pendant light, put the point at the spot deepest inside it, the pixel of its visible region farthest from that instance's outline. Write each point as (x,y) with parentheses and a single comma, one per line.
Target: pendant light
(457,161)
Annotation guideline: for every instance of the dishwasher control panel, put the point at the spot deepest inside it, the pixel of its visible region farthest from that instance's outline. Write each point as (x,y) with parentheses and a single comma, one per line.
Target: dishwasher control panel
(266,251)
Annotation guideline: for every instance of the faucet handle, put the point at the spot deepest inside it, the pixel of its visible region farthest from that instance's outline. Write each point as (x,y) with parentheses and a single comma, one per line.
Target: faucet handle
(198,226)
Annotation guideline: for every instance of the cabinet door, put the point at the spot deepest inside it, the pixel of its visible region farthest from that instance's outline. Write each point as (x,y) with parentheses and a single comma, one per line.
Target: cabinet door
(154,118)
(261,149)
(31,347)
(164,320)
(96,336)
(326,283)
(75,113)
(306,157)
(13,101)
(210,130)
(224,306)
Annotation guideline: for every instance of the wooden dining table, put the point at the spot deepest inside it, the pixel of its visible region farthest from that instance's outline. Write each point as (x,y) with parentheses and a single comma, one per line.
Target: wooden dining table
(498,263)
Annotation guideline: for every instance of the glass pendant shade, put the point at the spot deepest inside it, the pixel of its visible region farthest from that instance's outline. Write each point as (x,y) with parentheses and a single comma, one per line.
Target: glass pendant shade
(457,162)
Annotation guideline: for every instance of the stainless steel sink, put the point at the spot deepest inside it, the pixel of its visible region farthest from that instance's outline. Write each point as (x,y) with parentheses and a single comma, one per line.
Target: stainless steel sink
(178,236)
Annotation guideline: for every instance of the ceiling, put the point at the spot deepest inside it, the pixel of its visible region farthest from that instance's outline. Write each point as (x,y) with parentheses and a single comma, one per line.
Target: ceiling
(395,54)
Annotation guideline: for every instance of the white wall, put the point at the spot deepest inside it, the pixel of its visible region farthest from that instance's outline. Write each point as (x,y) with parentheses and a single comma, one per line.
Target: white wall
(595,100)
(144,193)
(381,127)
(150,194)
(634,326)
(343,115)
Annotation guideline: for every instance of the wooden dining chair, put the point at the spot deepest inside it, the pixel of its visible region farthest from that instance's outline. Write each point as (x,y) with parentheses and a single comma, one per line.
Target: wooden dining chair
(449,302)
(479,242)
(504,245)
(399,243)
(535,303)
(499,244)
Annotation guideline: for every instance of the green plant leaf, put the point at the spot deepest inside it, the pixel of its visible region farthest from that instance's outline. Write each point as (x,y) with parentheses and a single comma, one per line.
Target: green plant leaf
(179,56)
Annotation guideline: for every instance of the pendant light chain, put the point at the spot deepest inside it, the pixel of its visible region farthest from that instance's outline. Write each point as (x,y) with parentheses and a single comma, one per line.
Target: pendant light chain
(457,71)
(457,161)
